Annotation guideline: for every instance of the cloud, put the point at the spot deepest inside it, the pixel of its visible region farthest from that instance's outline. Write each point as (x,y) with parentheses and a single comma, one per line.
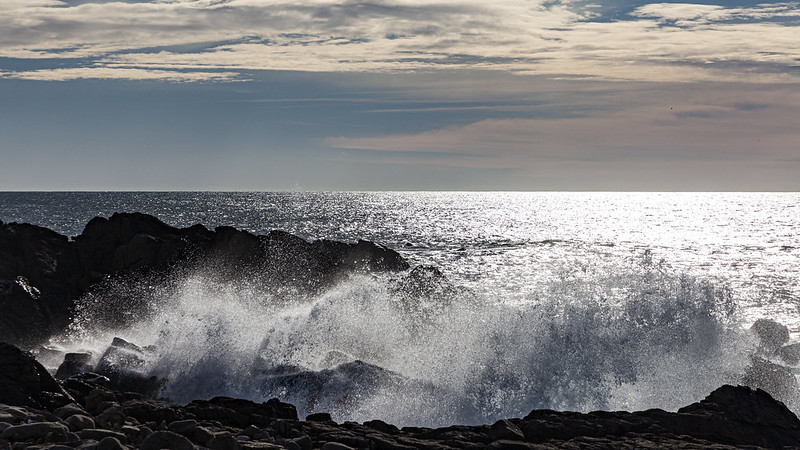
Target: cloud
(108,73)
(655,42)
(723,125)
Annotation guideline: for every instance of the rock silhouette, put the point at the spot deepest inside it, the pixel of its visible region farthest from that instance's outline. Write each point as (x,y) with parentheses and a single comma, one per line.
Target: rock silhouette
(43,273)
(36,411)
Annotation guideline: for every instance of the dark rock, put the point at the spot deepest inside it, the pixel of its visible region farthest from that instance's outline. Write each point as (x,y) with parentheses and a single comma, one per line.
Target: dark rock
(223,441)
(340,385)
(25,382)
(146,411)
(78,422)
(425,281)
(505,430)
(790,353)
(770,333)
(68,410)
(110,443)
(74,364)
(41,277)
(124,364)
(201,435)
(40,431)
(241,413)
(319,417)
(23,311)
(303,442)
(779,381)
(43,274)
(335,446)
(166,440)
(382,426)
(184,427)
(99,399)
(739,416)
(99,434)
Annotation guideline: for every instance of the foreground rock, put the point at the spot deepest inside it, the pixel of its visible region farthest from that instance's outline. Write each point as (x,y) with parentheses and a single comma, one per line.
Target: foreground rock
(43,273)
(82,413)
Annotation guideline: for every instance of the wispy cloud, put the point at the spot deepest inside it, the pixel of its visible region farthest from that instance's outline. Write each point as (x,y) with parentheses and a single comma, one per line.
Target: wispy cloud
(657,128)
(196,39)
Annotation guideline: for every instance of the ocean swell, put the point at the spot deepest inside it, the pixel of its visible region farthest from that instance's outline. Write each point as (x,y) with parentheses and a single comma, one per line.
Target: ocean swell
(412,349)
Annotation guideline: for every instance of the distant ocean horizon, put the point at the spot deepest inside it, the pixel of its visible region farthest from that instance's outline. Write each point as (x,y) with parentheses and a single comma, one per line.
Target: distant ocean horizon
(573,300)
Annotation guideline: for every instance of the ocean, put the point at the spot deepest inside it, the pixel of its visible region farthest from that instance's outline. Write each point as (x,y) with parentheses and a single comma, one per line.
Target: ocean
(570,300)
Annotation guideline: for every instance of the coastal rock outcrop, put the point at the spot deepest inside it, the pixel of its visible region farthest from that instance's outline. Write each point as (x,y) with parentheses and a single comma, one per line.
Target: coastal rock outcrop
(40,414)
(25,382)
(43,273)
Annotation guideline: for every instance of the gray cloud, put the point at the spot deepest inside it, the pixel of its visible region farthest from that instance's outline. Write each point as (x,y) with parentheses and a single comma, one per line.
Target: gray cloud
(673,42)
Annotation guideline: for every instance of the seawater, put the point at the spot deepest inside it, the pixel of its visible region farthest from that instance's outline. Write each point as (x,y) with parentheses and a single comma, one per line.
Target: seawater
(576,301)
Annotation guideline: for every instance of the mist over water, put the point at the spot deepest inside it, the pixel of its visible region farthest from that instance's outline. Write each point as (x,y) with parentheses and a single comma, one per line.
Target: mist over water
(569,301)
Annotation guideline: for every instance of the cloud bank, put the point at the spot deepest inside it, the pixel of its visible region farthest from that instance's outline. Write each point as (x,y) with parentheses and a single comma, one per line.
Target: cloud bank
(222,40)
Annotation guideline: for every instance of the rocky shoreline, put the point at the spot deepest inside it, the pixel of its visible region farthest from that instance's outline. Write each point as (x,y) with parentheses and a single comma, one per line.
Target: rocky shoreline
(38,412)
(43,273)
(108,404)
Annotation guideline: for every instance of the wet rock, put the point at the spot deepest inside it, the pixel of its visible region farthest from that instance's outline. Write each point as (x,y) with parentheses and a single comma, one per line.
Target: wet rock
(146,411)
(319,417)
(43,274)
(778,380)
(790,354)
(382,426)
(184,427)
(41,431)
(25,382)
(74,364)
(124,364)
(505,430)
(98,400)
(771,334)
(223,441)
(740,416)
(303,442)
(99,434)
(78,422)
(39,279)
(166,440)
(241,413)
(200,435)
(110,443)
(68,410)
(336,446)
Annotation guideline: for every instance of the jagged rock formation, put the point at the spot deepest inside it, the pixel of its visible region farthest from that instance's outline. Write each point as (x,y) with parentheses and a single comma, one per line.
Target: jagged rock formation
(84,413)
(42,273)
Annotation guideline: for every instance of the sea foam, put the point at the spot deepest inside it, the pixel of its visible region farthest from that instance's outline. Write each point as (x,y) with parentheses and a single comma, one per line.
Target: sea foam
(636,337)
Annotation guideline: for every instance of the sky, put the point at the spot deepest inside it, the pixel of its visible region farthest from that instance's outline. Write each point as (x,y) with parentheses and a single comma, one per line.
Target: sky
(524,95)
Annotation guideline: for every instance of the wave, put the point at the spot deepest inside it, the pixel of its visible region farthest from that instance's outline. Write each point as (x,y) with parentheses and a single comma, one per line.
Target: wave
(637,337)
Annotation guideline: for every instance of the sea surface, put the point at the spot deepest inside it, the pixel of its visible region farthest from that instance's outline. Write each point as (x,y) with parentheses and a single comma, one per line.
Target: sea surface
(576,301)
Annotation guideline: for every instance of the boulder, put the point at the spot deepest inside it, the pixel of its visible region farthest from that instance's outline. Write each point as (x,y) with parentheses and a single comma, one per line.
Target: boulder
(166,440)
(74,364)
(25,382)
(790,354)
(78,422)
(739,416)
(778,380)
(124,364)
(771,334)
(39,431)
(241,413)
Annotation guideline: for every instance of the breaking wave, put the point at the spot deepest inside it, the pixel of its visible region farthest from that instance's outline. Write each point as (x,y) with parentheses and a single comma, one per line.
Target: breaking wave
(636,337)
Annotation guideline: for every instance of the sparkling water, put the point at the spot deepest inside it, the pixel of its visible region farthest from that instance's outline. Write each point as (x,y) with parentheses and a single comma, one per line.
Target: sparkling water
(573,300)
